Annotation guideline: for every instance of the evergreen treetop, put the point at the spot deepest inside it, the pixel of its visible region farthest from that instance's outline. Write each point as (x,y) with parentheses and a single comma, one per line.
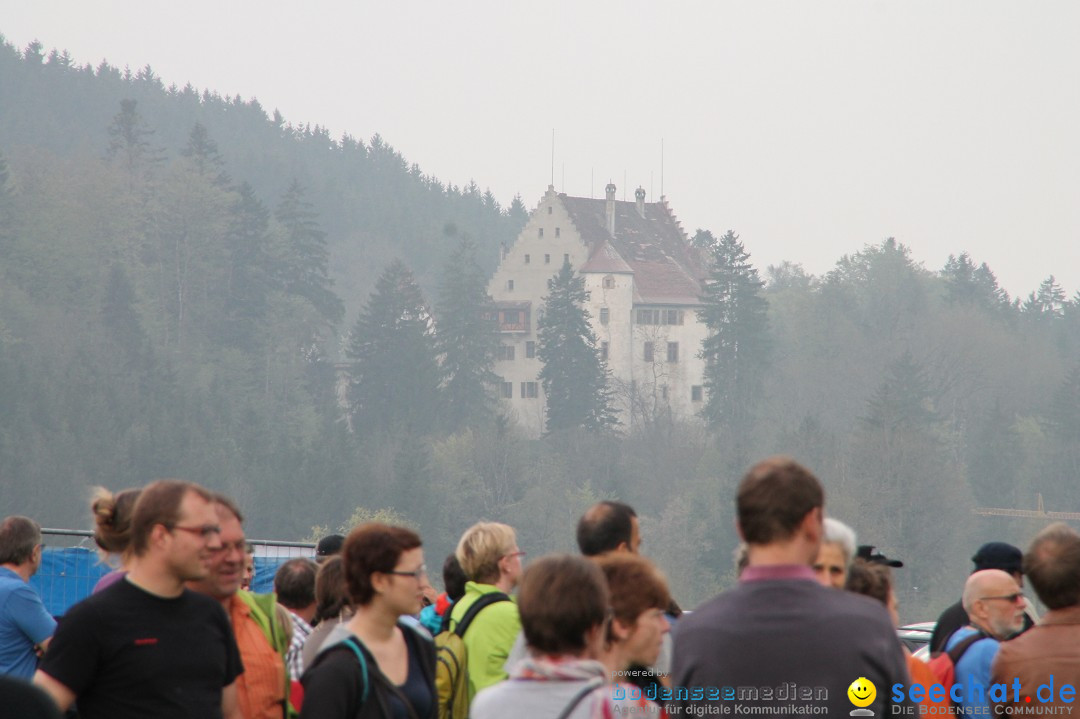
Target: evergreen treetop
(574,377)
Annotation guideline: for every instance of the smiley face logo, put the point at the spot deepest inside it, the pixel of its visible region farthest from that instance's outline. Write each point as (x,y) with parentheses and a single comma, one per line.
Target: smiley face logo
(862,692)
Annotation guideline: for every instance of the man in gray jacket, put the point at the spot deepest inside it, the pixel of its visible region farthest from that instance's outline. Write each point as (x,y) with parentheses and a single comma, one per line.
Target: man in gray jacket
(780,643)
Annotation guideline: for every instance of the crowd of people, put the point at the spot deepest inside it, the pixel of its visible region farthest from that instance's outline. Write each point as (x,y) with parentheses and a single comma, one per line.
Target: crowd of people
(360,630)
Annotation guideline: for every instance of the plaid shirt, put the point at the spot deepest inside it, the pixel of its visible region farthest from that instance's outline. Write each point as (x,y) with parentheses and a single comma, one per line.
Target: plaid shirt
(294,658)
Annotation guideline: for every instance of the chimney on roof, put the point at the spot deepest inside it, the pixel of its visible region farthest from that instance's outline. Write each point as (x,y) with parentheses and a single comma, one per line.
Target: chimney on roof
(639,195)
(610,190)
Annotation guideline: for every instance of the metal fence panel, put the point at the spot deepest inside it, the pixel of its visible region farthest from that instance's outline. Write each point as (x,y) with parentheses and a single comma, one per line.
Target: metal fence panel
(70,566)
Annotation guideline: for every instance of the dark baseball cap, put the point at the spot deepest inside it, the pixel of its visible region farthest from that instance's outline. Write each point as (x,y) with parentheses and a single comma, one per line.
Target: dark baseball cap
(329,545)
(870,553)
(999,555)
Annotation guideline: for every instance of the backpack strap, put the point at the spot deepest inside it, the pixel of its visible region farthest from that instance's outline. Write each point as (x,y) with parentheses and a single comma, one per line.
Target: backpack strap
(962,646)
(444,625)
(484,601)
(355,647)
(588,689)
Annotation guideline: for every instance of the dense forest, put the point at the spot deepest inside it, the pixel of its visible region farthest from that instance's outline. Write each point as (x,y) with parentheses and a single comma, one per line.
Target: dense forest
(192,286)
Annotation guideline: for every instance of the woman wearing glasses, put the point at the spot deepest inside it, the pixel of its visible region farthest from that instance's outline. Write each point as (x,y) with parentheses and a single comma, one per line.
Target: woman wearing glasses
(375,665)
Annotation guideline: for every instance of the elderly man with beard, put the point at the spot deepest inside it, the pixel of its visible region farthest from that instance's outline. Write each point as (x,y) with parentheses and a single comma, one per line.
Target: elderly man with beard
(995,608)
(262,628)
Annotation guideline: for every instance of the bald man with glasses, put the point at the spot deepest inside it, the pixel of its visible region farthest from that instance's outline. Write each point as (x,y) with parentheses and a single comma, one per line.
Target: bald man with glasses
(148,646)
(995,608)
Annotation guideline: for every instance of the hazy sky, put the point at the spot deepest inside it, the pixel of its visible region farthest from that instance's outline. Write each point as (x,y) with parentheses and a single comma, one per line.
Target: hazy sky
(810,128)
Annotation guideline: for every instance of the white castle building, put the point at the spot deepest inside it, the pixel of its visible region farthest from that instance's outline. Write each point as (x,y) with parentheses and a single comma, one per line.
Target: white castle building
(644,282)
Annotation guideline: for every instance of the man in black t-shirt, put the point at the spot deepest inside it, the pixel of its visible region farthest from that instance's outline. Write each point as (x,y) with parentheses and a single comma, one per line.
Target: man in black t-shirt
(146,646)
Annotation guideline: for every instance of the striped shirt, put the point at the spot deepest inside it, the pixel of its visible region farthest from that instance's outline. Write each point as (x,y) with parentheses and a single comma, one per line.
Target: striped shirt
(294,658)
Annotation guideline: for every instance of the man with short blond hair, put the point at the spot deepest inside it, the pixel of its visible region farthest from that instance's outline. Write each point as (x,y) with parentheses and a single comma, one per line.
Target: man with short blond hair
(488,553)
(25,626)
(146,646)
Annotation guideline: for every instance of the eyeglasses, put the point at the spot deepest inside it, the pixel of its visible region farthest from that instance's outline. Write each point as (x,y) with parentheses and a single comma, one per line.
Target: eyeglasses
(204,531)
(511,555)
(1011,598)
(421,572)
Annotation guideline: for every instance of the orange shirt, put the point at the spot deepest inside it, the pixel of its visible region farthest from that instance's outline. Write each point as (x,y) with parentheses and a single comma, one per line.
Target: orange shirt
(261,688)
(921,674)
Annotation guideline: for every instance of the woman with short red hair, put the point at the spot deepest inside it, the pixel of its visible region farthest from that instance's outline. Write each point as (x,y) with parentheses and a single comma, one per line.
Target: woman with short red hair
(376,666)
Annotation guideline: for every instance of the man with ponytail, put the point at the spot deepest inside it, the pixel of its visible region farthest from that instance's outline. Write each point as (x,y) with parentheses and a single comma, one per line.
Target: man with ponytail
(112,531)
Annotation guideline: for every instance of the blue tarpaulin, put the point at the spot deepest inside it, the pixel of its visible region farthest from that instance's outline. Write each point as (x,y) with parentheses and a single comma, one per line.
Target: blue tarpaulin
(68,574)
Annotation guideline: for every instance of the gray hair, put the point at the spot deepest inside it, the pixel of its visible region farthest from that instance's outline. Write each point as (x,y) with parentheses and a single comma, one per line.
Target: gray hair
(836,532)
(19,536)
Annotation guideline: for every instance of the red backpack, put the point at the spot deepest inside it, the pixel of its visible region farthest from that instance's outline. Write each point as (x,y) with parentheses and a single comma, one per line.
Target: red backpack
(943,664)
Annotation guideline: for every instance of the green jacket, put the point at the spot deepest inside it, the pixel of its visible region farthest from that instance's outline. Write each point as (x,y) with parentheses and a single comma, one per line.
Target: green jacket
(489,638)
(264,610)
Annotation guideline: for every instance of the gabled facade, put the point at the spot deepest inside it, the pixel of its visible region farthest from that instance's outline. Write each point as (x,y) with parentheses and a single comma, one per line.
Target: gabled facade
(644,282)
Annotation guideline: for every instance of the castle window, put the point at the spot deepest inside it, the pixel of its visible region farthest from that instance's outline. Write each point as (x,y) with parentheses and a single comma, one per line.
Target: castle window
(672,351)
(549,209)
(558,232)
(696,393)
(530,350)
(673,317)
(505,353)
(566,258)
(648,352)
(508,390)
(604,315)
(603,351)
(547,259)
(664,392)
(648,317)
(526,259)
(529,390)
(609,282)
(541,232)
(510,285)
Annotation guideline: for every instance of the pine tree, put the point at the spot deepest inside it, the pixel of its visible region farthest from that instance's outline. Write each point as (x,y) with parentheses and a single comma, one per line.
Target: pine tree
(394,381)
(119,315)
(303,267)
(903,400)
(7,209)
(249,269)
(737,347)
(130,143)
(466,338)
(203,153)
(574,377)
(517,212)
(1048,302)
(971,285)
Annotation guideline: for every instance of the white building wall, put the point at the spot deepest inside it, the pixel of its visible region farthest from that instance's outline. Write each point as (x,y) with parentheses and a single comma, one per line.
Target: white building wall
(638,384)
(617,298)
(678,377)
(545,253)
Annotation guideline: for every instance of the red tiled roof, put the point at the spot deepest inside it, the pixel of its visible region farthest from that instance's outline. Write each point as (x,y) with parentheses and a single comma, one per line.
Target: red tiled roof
(666,269)
(605,258)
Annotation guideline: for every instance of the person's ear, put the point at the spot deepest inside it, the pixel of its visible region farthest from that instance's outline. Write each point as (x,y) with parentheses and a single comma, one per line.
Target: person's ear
(619,630)
(379,581)
(813,525)
(158,534)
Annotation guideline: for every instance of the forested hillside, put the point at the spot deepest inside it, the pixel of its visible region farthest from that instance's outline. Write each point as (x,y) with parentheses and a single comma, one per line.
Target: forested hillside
(180,272)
